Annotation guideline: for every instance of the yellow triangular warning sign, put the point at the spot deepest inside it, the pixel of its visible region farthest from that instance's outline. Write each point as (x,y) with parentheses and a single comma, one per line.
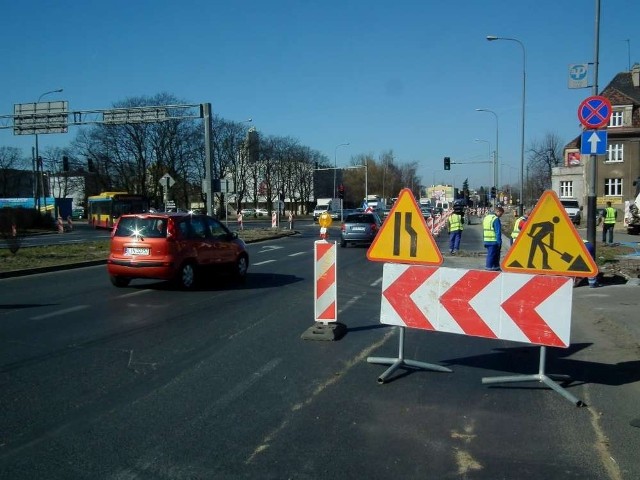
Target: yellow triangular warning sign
(404,236)
(549,244)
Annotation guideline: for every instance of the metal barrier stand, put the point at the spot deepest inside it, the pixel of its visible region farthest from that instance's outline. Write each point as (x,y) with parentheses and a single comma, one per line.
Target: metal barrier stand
(540,377)
(402,362)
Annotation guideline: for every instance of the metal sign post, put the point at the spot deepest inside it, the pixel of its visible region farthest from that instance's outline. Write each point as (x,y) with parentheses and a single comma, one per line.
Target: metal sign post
(549,380)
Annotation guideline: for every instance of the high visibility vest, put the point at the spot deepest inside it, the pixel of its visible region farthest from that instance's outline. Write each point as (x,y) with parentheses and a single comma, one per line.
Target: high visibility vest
(455,223)
(609,215)
(488,233)
(516,226)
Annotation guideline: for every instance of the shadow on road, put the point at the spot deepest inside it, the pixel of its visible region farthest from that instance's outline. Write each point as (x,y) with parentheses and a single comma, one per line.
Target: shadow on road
(227,282)
(525,361)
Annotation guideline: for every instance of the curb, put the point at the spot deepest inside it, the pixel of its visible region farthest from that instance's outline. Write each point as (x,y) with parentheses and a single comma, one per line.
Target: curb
(51,268)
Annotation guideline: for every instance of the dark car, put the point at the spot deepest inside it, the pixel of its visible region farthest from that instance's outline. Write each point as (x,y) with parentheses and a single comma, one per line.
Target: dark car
(77,214)
(173,246)
(359,228)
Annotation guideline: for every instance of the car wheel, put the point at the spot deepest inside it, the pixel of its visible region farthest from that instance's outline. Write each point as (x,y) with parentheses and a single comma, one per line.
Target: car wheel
(343,243)
(242,266)
(186,278)
(119,281)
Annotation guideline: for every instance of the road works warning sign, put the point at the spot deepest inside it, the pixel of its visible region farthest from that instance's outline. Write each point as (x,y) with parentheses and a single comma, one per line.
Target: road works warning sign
(549,244)
(404,236)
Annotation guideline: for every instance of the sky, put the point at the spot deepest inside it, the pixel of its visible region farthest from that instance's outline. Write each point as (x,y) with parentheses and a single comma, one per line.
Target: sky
(401,75)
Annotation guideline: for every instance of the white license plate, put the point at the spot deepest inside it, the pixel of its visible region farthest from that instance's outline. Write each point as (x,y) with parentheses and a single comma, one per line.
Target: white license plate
(358,229)
(136,251)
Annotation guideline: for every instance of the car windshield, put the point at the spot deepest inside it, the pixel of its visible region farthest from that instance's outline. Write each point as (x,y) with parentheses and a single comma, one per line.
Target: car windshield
(570,203)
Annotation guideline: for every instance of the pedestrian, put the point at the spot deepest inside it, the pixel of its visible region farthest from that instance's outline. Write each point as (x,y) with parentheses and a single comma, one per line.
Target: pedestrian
(290,219)
(240,224)
(518,225)
(492,236)
(608,218)
(456,222)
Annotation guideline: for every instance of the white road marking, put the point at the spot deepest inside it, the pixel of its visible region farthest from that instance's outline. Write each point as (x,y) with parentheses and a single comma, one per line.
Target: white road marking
(296,254)
(262,263)
(59,312)
(377,282)
(349,303)
(132,294)
(268,248)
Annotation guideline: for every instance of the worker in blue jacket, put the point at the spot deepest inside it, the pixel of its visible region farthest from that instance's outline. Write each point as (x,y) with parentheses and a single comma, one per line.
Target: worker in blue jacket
(492,236)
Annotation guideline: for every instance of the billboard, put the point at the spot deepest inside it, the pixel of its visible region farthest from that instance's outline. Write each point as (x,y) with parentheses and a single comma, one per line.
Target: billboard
(41,117)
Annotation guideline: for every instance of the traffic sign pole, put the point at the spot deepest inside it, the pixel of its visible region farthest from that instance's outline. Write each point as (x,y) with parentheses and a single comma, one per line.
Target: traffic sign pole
(594,112)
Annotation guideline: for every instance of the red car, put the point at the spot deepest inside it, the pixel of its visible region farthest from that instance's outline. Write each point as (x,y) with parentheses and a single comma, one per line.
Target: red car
(173,246)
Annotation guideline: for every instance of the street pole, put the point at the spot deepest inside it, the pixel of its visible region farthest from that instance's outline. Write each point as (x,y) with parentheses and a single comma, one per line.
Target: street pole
(207,117)
(593,165)
(335,170)
(495,158)
(491,160)
(524,90)
(335,166)
(39,166)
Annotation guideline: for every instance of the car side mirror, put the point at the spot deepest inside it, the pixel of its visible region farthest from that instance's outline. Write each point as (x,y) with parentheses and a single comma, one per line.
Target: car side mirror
(581,207)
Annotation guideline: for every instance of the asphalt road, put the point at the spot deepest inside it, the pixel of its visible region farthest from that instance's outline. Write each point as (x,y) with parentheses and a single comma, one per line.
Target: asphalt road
(147,382)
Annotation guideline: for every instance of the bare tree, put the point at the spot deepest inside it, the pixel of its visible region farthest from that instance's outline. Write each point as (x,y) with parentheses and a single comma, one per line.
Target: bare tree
(10,162)
(543,155)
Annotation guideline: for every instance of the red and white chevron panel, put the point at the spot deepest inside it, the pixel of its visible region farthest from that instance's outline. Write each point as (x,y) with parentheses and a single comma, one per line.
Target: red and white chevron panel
(325,287)
(509,306)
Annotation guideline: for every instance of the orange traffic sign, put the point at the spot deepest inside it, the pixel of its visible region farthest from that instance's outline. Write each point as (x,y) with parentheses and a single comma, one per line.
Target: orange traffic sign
(404,236)
(549,244)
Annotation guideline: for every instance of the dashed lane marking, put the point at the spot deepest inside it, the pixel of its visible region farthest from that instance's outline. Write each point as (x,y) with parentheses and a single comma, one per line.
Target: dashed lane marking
(57,313)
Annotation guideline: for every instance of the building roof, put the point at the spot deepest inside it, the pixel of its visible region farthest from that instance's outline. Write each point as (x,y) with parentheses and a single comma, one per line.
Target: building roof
(621,91)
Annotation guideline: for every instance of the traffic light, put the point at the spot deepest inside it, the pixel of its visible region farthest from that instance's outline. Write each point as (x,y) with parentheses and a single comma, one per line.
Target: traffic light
(493,192)
(90,164)
(341,191)
(447,163)
(65,164)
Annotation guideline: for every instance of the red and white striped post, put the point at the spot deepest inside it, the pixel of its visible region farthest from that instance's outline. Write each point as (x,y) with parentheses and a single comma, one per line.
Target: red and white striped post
(325,294)
(325,285)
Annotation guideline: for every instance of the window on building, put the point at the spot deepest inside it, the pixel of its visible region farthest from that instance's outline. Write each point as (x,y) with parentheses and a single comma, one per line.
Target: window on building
(612,187)
(615,152)
(566,189)
(617,118)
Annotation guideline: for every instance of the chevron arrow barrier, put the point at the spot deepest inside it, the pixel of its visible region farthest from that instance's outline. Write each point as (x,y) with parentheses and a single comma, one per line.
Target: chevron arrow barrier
(519,307)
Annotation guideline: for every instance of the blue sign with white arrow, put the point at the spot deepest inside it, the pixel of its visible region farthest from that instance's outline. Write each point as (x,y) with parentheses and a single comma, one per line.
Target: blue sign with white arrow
(594,142)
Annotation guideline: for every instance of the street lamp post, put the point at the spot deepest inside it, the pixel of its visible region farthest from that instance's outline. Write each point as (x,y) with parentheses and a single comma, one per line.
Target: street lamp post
(335,169)
(489,157)
(495,158)
(39,167)
(524,90)
(335,166)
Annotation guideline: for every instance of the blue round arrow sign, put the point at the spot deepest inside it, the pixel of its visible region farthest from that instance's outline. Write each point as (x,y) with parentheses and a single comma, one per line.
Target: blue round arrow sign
(594,112)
